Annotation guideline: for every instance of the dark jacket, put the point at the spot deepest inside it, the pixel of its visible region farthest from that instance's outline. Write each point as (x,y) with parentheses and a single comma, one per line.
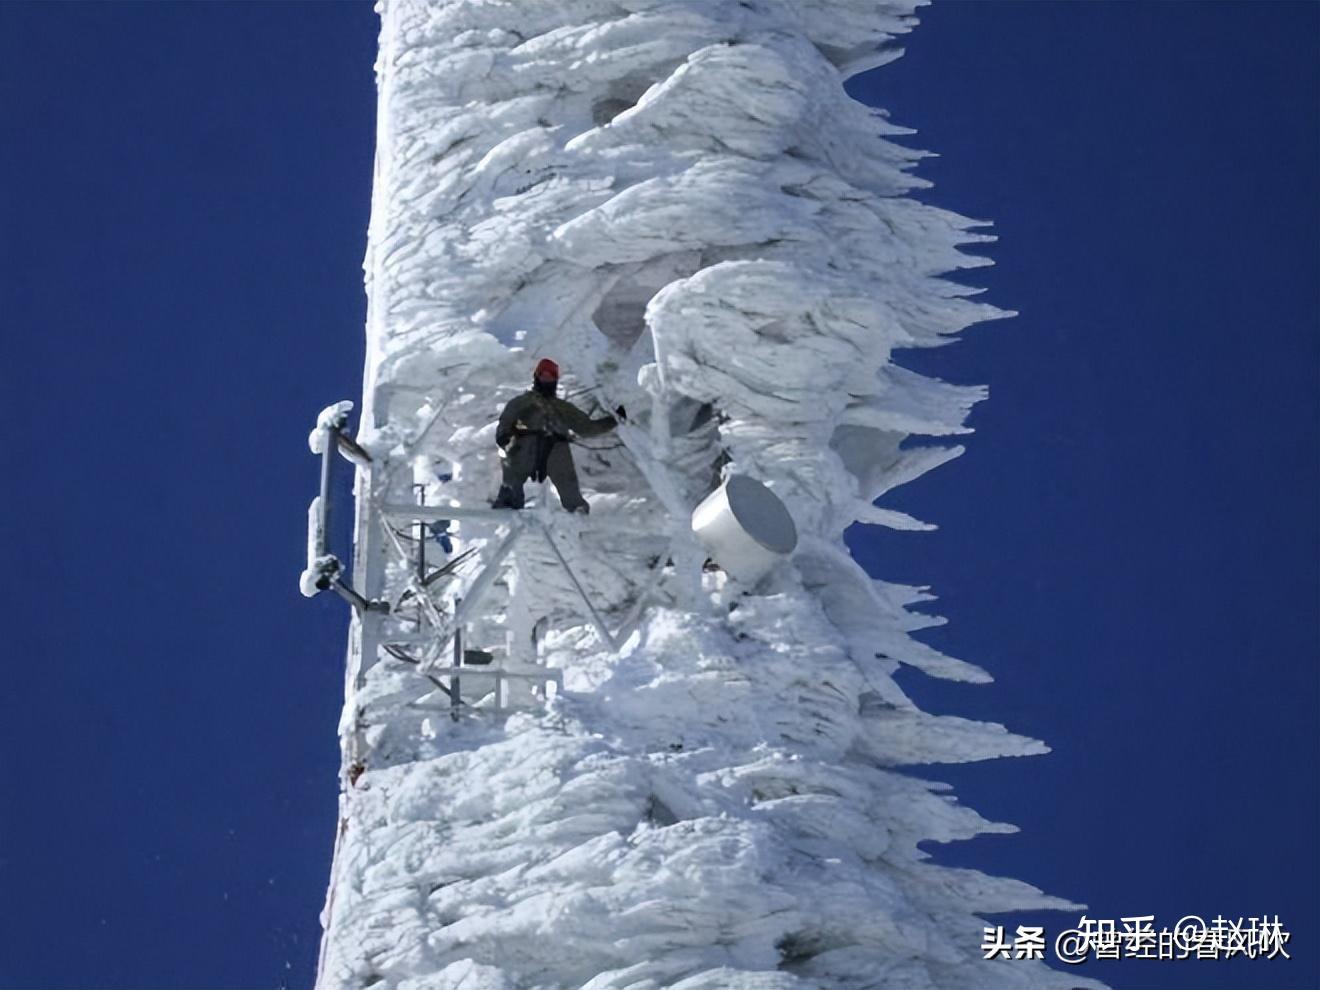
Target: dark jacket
(548,415)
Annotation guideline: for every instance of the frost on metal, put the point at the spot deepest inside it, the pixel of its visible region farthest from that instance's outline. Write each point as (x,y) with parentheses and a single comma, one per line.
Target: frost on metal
(679,203)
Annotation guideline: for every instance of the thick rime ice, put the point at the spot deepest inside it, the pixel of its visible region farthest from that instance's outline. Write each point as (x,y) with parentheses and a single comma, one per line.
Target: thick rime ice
(679,204)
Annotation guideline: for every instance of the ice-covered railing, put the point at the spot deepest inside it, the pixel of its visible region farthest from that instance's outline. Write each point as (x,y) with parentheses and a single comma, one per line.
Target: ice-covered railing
(679,203)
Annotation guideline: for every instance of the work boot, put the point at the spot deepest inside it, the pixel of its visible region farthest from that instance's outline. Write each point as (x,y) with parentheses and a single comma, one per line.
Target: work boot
(507,498)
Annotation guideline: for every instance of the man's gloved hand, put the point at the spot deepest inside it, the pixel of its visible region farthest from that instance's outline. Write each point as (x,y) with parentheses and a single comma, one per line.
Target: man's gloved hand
(621,414)
(502,439)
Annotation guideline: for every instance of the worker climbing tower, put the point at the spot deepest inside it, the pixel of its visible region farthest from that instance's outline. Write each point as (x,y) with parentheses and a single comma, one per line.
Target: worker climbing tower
(656,745)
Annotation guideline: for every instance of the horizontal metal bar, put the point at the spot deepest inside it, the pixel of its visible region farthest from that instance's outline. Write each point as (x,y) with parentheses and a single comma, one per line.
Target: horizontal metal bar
(352,450)
(516,673)
(350,596)
(416,639)
(434,513)
(404,512)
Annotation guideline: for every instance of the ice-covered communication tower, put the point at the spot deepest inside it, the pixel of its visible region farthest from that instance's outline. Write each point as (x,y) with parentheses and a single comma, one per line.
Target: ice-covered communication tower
(655,746)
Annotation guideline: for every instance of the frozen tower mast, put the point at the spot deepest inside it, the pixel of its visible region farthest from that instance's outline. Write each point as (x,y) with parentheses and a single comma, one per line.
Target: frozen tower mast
(617,751)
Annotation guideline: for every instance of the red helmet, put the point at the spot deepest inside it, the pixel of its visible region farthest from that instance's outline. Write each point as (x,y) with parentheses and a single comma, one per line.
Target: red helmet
(546,371)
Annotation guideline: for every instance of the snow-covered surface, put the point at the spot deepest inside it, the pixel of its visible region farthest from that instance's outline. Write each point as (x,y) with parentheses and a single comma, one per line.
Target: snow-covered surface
(679,204)
(330,418)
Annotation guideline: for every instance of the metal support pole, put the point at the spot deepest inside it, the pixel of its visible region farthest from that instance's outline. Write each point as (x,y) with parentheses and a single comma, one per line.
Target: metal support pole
(421,537)
(487,577)
(455,688)
(327,461)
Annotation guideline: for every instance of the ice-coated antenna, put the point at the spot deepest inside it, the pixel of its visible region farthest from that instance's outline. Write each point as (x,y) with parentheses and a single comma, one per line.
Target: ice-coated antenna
(324,571)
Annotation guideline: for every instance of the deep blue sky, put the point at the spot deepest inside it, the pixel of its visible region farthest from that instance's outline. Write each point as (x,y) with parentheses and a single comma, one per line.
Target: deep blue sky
(1131,543)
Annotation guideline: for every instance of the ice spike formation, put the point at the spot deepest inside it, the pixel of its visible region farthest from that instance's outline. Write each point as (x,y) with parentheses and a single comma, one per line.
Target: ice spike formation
(700,784)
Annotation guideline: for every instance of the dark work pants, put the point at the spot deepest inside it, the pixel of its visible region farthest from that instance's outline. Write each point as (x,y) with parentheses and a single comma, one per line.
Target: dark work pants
(520,464)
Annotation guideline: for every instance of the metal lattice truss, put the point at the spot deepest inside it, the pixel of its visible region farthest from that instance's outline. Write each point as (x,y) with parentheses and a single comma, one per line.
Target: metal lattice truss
(426,618)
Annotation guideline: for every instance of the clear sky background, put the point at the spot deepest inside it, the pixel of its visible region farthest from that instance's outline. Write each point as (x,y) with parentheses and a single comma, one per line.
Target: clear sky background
(1131,544)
